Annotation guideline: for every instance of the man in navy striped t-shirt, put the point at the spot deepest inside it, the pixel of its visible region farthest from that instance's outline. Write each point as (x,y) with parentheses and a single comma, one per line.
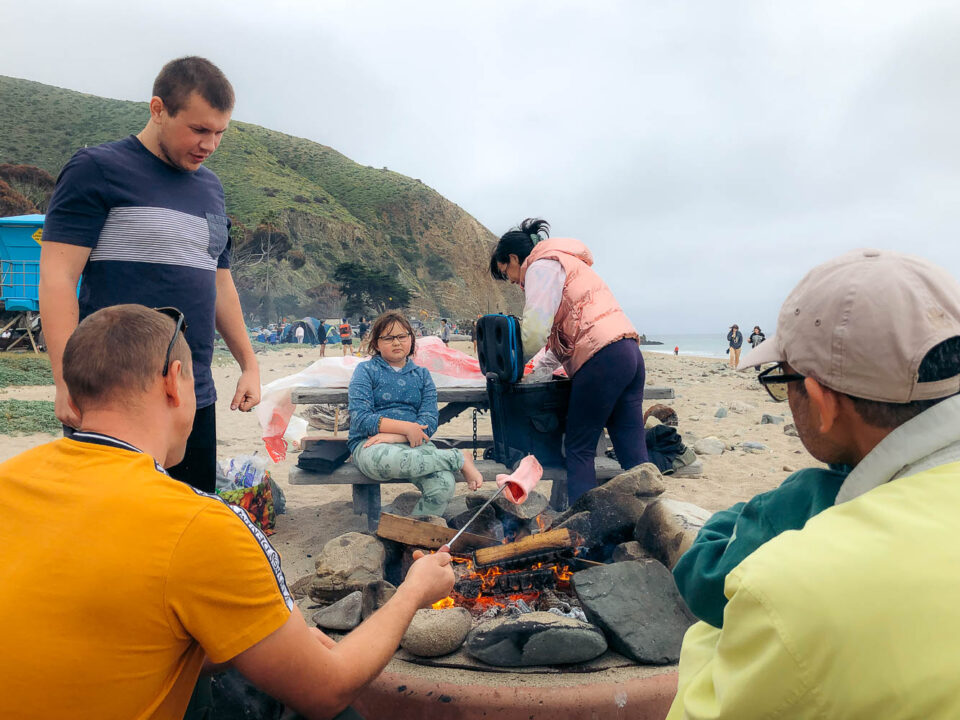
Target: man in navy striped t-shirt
(144,222)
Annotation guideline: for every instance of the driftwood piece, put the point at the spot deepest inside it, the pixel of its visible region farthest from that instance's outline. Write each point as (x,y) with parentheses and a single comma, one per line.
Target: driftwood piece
(417,533)
(531,545)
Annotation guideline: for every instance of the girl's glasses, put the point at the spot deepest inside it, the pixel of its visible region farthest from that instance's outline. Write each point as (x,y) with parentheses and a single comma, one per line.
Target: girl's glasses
(393,338)
(774,381)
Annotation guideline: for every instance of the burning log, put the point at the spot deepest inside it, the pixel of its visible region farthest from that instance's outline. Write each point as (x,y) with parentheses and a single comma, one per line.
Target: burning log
(417,533)
(530,546)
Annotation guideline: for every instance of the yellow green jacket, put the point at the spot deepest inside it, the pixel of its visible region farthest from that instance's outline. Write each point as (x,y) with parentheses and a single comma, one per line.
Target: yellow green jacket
(857,615)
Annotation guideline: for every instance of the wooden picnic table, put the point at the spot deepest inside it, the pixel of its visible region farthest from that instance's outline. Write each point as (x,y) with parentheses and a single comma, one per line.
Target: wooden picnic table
(366,492)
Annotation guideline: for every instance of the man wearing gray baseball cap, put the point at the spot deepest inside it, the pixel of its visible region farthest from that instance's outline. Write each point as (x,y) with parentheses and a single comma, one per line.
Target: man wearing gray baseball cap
(854,613)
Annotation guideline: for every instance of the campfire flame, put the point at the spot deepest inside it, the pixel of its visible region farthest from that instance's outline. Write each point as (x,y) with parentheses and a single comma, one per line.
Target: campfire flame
(487,596)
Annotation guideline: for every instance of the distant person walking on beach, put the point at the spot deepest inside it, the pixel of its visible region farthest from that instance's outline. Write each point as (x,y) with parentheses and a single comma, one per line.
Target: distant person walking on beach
(757,336)
(676,350)
(473,334)
(346,337)
(735,338)
(445,331)
(299,333)
(565,301)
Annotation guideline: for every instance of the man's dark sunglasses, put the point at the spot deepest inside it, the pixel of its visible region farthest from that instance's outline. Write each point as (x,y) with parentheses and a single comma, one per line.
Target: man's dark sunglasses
(177,316)
(775,380)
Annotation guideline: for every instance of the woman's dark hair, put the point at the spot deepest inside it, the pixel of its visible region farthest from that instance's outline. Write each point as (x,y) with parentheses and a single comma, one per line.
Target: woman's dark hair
(519,242)
(384,323)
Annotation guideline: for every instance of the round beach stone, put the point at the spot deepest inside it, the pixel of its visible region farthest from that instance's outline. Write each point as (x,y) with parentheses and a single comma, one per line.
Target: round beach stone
(437,632)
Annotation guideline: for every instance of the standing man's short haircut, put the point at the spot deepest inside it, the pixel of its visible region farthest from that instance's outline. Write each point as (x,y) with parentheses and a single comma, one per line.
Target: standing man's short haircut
(117,353)
(180,77)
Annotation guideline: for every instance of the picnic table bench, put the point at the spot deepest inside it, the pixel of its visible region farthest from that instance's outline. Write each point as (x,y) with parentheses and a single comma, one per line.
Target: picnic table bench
(366,492)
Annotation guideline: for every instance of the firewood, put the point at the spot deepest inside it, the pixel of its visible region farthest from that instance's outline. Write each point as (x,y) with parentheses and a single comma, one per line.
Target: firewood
(419,534)
(531,545)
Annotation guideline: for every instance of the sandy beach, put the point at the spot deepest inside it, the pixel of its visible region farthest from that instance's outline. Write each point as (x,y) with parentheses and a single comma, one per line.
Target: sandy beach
(315,514)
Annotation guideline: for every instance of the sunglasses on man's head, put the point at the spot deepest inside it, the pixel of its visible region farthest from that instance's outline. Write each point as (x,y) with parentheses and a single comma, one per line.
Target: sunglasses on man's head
(775,380)
(177,316)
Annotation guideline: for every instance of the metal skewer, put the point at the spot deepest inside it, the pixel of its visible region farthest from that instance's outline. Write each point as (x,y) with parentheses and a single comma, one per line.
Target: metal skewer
(483,507)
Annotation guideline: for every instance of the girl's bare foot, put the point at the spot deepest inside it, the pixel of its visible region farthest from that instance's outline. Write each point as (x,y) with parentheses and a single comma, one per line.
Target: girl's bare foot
(470,472)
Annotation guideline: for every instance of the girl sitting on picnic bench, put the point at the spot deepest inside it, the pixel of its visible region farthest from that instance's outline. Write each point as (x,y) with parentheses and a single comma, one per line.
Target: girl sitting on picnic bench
(393,413)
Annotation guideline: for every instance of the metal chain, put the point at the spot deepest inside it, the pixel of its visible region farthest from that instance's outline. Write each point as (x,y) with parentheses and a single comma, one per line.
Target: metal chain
(474,434)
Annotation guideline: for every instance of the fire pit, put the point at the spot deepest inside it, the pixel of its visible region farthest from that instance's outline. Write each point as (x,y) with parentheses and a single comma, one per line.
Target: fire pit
(569,617)
(406,690)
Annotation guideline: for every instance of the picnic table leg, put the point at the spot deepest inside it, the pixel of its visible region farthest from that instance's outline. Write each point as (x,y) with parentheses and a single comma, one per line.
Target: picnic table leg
(366,501)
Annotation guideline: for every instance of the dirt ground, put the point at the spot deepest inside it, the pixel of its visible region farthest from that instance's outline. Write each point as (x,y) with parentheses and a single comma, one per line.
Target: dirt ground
(316,514)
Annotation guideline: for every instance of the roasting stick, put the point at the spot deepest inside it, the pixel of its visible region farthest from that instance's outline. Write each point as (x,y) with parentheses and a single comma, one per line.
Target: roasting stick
(449,545)
(520,482)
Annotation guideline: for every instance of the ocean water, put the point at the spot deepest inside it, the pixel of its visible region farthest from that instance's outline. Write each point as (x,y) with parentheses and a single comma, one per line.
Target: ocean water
(699,344)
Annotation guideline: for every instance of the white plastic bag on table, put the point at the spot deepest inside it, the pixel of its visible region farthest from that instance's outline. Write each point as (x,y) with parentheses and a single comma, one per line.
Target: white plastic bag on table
(275,409)
(448,367)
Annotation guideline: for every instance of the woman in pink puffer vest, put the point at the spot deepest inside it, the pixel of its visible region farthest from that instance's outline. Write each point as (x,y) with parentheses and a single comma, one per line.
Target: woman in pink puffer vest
(572,312)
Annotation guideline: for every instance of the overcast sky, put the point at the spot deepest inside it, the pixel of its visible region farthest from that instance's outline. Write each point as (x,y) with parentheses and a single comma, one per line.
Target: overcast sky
(709,153)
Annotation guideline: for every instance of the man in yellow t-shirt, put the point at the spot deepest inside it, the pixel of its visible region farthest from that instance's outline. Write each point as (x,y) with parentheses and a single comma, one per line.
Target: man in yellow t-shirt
(118,582)
(855,614)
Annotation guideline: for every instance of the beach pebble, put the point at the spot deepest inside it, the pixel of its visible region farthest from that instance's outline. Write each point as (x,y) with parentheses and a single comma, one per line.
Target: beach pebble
(740,407)
(694,418)
(709,446)
(768,419)
(753,447)
(720,413)
(437,632)
(789,468)
(790,430)
(631,550)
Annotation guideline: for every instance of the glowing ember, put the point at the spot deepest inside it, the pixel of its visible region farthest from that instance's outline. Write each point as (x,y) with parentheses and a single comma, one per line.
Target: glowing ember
(540,523)
(447,602)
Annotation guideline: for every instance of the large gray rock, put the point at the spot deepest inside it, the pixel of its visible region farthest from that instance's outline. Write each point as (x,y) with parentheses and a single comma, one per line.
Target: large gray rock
(535,504)
(538,638)
(579,523)
(344,614)
(403,503)
(437,632)
(669,527)
(709,446)
(459,512)
(641,481)
(638,607)
(612,514)
(353,561)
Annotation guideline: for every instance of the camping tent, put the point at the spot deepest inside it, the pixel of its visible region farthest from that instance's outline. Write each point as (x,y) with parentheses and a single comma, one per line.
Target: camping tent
(311,329)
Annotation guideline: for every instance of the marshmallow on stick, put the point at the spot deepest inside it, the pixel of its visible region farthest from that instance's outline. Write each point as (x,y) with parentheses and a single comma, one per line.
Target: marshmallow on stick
(522,480)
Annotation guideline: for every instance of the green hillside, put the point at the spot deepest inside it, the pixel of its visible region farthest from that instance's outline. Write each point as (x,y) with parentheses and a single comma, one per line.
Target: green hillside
(299,208)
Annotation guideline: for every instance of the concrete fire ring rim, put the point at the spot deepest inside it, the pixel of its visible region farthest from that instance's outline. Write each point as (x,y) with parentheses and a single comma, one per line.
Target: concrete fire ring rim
(406,690)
